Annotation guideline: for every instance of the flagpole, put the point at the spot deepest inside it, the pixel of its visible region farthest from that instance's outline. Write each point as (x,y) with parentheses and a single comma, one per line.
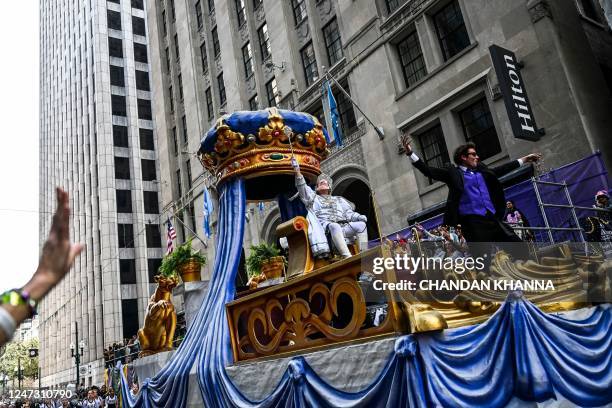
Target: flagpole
(190,230)
(379,132)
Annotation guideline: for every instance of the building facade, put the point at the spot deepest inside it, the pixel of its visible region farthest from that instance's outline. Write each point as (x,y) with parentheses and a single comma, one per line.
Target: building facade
(97,141)
(421,67)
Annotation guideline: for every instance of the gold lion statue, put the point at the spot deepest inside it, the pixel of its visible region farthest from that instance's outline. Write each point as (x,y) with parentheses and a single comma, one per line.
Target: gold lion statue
(157,333)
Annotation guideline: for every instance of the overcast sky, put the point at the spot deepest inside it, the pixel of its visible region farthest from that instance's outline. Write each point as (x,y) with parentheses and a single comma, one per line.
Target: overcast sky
(18,142)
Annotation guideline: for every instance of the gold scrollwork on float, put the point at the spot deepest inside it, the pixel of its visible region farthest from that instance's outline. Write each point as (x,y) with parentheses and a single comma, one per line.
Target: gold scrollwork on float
(325,307)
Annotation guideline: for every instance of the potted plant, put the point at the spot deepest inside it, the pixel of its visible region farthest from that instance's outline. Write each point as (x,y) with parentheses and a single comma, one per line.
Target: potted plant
(265,260)
(184,260)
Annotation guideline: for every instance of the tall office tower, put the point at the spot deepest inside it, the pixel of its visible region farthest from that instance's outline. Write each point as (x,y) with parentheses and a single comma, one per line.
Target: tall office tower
(97,141)
(412,66)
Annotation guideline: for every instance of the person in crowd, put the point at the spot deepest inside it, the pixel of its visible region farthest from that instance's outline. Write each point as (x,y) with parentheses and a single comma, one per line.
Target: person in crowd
(602,202)
(91,401)
(134,389)
(57,257)
(111,399)
(515,218)
(475,194)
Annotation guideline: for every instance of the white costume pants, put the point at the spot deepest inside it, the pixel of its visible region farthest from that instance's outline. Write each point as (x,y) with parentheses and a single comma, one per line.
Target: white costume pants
(355,229)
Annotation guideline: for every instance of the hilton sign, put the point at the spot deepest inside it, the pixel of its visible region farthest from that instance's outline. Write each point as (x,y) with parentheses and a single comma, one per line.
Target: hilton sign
(515,95)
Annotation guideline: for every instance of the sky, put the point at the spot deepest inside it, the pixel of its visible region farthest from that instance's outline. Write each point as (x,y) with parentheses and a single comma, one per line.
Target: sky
(18,142)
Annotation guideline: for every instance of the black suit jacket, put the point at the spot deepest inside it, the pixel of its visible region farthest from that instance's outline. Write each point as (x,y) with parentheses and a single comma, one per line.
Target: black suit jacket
(452,176)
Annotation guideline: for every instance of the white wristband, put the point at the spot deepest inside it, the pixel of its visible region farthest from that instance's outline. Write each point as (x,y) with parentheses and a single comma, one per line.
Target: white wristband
(7,323)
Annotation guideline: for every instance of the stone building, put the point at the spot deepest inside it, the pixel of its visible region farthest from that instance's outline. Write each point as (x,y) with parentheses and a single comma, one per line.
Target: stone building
(97,141)
(416,66)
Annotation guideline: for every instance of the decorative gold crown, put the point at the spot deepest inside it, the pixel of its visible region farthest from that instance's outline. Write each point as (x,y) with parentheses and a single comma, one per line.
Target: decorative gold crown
(267,151)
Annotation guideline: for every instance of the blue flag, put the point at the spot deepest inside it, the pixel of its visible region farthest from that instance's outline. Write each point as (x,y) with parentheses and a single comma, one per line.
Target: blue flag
(335,116)
(208,209)
(261,207)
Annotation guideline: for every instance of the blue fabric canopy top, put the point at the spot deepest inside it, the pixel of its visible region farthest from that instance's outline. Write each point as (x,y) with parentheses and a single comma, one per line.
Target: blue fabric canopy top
(519,352)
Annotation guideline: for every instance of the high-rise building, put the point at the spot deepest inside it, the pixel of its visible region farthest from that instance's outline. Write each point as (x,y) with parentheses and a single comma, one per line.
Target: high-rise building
(97,140)
(413,66)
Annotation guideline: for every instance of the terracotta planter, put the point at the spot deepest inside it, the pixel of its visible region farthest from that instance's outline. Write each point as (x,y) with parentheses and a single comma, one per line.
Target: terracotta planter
(273,267)
(190,271)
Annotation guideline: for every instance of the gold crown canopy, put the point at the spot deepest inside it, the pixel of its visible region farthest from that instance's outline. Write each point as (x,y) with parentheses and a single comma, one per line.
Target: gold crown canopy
(263,159)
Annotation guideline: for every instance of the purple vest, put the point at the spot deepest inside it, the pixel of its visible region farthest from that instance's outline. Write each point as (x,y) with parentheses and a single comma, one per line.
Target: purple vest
(475,199)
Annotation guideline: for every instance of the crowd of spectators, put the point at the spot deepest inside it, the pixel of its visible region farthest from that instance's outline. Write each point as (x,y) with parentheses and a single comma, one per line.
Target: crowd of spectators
(92,397)
(125,352)
(439,242)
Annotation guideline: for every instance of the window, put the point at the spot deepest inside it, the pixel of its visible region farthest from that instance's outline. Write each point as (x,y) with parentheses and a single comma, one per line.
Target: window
(122,168)
(142,80)
(144,109)
(146,139)
(199,16)
(184,123)
(393,5)
(317,112)
(478,128)
(116,76)
(264,42)
(115,47)
(299,10)
(411,58)
(153,236)
(309,63)
(272,93)
(124,201)
(120,136)
(168,59)
(153,268)
(257,3)
(451,30)
(176,47)
(118,105)
(113,19)
(172,13)
(138,26)
(179,187)
(140,53)
(180,84)
(254,103)
(209,104)
(129,317)
(433,148)
(113,1)
(137,4)
(211,6)
(247,59)
(175,141)
(191,215)
(127,271)
(151,205)
(348,122)
(188,168)
(240,14)
(164,24)
(171,98)
(216,46)
(333,43)
(148,170)
(125,235)
(221,84)
(204,58)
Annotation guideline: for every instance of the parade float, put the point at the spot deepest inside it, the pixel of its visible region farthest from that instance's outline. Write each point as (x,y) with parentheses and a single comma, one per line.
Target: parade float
(319,339)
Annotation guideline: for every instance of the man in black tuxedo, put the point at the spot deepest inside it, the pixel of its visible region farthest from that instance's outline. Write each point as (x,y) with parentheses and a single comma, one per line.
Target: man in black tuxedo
(475,194)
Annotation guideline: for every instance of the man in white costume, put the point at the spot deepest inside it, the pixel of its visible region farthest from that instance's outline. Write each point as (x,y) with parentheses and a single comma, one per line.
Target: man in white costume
(335,214)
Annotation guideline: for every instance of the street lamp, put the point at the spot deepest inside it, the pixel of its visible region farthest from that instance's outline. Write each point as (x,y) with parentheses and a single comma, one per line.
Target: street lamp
(77,354)
(18,372)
